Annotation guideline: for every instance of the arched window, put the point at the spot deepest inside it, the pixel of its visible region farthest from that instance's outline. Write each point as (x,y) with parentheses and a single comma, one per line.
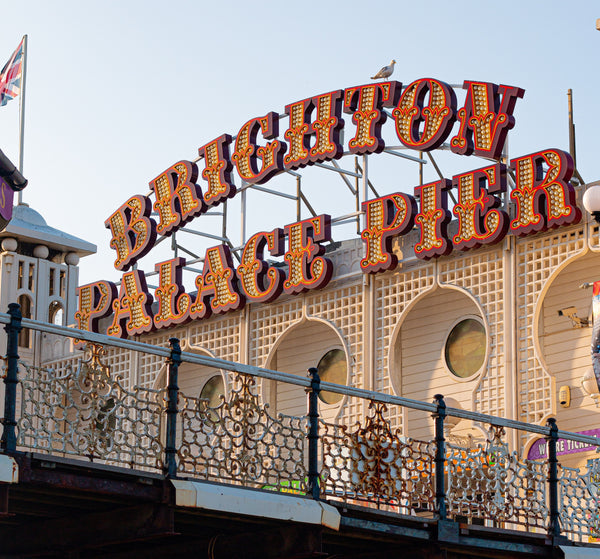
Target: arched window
(55,313)
(308,344)
(24,335)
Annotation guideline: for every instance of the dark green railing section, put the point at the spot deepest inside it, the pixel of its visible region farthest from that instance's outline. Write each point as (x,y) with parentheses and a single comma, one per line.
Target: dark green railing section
(171,411)
(85,411)
(13,328)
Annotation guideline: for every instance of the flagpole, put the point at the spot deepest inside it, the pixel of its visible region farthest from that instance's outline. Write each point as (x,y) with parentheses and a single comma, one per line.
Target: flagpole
(22,113)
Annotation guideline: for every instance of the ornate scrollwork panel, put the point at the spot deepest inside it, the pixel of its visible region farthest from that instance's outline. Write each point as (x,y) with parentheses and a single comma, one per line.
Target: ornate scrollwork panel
(87,413)
(579,498)
(239,442)
(490,484)
(375,464)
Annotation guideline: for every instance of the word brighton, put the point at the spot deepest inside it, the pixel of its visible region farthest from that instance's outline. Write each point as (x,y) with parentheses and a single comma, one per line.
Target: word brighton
(424,115)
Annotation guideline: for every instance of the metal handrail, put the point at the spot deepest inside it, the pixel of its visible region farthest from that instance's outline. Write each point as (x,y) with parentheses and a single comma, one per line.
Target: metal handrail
(271,374)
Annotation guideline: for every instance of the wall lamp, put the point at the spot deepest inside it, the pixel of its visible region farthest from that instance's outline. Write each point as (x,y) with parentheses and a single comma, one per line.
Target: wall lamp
(590,385)
(591,200)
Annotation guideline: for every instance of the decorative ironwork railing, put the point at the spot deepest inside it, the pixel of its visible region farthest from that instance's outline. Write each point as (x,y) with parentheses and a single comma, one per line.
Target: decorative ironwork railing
(375,465)
(491,484)
(579,498)
(238,441)
(85,412)
(89,413)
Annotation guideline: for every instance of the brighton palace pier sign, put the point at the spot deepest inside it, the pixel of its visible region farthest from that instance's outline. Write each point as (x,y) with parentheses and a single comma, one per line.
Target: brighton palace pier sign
(424,113)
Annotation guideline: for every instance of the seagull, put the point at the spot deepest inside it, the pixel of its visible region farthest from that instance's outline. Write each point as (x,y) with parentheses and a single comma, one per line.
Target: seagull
(385,72)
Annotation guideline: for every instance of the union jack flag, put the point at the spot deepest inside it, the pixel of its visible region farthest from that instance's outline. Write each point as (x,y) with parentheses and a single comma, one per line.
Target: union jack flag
(10,77)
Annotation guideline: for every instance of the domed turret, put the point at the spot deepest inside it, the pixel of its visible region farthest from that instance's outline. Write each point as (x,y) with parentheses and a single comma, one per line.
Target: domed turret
(39,269)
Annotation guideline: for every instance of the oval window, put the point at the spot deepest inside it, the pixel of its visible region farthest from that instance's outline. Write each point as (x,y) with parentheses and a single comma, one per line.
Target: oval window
(332,368)
(465,348)
(212,391)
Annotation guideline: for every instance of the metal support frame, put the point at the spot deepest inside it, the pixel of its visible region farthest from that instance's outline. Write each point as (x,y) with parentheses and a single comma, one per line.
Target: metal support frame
(361,190)
(13,328)
(313,434)
(337,169)
(172,410)
(222,239)
(347,175)
(298,193)
(392,151)
(253,186)
(307,203)
(357,195)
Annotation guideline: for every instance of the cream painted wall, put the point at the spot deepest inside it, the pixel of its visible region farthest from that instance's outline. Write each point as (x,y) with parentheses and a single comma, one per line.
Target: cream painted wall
(419,371)
(302,347)
(565,349)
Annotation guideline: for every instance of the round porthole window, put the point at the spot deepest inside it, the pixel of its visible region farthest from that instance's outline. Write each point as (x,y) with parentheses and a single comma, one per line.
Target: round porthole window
(465,348)
(332,368)
(212,391)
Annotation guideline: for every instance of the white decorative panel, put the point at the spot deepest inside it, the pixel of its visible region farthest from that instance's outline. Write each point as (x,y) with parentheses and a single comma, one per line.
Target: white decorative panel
(537,258)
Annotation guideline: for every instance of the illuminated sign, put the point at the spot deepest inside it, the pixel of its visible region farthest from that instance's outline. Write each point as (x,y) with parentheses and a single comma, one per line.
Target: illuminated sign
(424,115)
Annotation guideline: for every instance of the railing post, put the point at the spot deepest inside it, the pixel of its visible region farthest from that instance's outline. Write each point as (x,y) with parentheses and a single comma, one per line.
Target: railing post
(313,434)
(440,456)
(554,527)
(9,433)
(172,397)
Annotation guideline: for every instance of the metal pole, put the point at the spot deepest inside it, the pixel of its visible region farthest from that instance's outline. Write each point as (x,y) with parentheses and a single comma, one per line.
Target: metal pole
(357,195)
(174,245)
(313,434)
(440,456)
(224,224)
(571,128)
(172,396)
(243,216)
(554,527)
(298,201)
(365,184)
(22,113)
(9,434)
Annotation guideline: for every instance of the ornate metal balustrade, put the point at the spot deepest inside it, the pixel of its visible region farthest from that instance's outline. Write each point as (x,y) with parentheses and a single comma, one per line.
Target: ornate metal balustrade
(579,498)
(373,464)
(239,441)
(490,484)
(89,413)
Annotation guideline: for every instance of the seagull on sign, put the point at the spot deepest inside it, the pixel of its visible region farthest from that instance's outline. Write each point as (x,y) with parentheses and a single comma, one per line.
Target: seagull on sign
(385,72)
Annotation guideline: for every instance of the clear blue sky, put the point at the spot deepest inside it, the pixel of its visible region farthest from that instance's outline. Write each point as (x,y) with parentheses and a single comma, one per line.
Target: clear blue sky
(117,91)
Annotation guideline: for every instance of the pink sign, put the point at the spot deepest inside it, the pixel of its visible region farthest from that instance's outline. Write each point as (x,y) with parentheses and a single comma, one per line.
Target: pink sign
(539,449)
